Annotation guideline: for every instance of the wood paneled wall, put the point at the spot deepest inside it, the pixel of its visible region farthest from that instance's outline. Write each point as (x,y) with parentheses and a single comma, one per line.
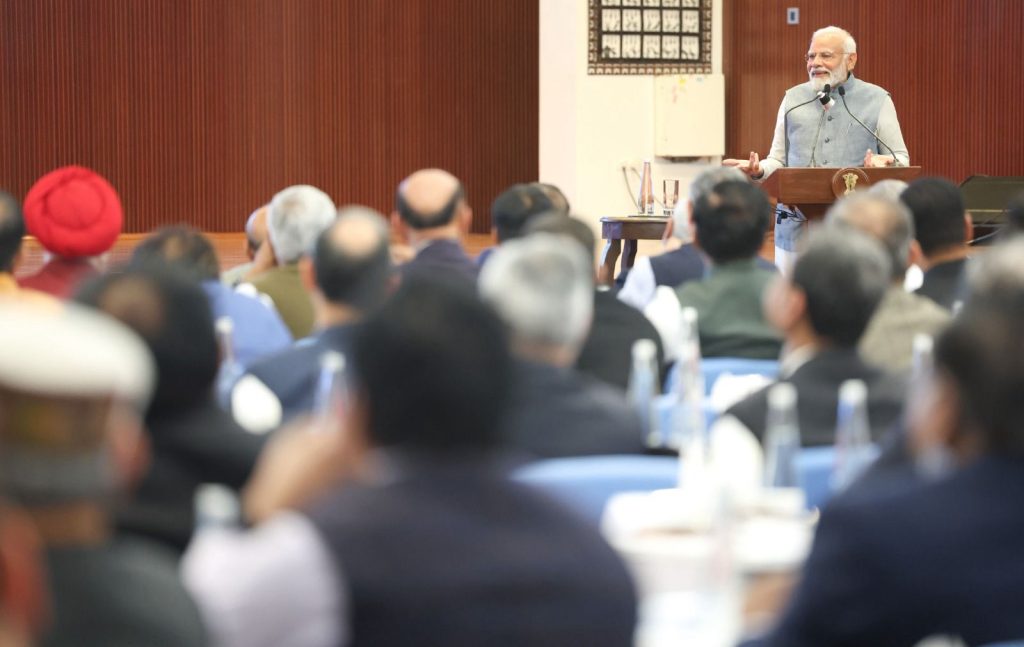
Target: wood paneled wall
(953,67)
(200,110)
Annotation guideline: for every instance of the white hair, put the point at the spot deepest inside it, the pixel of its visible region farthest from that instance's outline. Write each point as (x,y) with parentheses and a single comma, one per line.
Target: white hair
(700,187)
(889,188)
(297,216)
(849,45)
(888,221)
(542,287)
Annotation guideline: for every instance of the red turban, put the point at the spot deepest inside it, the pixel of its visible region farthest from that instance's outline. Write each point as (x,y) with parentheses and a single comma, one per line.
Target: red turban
(73,212)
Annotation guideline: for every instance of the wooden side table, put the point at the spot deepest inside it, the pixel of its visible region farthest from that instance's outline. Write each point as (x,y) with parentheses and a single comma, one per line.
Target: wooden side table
(615,230)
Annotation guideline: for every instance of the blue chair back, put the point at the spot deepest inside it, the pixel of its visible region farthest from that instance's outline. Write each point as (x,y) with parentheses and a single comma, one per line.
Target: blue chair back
(586,483)
(814,470)
(715,367)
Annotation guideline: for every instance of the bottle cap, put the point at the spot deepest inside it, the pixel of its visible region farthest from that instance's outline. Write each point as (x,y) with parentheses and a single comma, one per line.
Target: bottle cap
(782,396)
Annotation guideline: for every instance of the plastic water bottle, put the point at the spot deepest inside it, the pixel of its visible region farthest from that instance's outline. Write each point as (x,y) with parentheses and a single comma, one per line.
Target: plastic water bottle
(782,438)
(216,506)
(230,370)
(331,393)
(854,451)
(645,199)
(643,387)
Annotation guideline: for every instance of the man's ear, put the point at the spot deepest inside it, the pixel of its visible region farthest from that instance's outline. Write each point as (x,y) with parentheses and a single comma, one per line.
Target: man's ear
(916,256)
(465,218)
(968,227)
(307,274)
(398,228)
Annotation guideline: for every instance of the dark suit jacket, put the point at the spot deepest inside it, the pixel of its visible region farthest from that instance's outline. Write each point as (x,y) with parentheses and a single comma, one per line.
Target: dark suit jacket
(944,283)
(442,258)
(292,374)
(938,558)
(607,352)
(817,385)
(559,412)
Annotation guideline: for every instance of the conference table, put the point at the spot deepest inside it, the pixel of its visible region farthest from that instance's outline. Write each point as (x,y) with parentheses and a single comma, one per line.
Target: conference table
(621,234)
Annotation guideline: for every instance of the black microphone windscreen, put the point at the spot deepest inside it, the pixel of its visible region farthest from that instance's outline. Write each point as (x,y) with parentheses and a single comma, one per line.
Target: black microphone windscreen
(842,91)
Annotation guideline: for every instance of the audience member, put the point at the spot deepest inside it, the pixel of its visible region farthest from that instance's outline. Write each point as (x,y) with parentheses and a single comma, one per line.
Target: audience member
(402,527)
(730,222)
(888,340)
(685,263)
(12,231)
(75,214)
(512,211)
(255,241)
(943,229)
(72,383)
(940,557)
(543,288)
(297,216)
(431,216)
(348,275)
(193,440)
(559,202)
(822,310)
(607,352)
(257,331)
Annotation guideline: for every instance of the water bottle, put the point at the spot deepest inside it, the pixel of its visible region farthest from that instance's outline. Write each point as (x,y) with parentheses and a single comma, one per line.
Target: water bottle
(645,199)
(689,433)
(216,506)
(854,451)
(230,369)
(782,438)
(643,388)
(331,393)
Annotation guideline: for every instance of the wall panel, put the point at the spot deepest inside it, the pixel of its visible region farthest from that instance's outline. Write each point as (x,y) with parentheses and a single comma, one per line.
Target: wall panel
(199,111)
(952,67)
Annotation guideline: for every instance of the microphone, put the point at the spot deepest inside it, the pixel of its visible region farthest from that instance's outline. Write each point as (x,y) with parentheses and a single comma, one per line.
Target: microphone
(825,97)
(821,95)
(842,95)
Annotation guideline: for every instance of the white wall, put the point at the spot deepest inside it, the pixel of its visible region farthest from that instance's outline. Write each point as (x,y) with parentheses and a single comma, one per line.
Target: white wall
(590,125)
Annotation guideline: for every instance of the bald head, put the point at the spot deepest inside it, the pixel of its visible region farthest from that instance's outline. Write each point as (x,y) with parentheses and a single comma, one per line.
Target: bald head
(429,198)
(351,261)
(256,228)
(887,221)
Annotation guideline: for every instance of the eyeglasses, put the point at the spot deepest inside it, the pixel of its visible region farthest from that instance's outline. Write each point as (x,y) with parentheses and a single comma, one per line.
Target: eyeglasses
(826,57)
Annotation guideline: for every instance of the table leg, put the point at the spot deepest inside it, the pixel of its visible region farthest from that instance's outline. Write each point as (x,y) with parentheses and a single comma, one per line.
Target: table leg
(629,254)
(610,254)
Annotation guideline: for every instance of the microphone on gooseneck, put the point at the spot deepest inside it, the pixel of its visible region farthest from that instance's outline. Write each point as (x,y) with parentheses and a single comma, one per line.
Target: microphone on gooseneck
(821,95)
(842,95)
(825,97)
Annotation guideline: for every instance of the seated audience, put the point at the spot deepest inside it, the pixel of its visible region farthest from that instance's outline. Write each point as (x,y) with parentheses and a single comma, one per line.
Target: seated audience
(608,350)
(72,385)
(75,214)
(297,216)
(431,216)
(730,222)
(889,338)
(255,241)
(401,527)
(193,441)
(347,275)
(543,288)
(943,230)
(12,231)
(513,210)
(943,556)
(822,309)
(258,330)
(685,263)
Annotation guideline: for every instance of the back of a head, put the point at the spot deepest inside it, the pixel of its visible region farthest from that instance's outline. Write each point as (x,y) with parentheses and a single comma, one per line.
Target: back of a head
(172,315)
(572,228)
(66,376)
(74,212)
(559,201)
(256,228)
(731,221)
(890,189)
(937,207)
(996,278)
(12,229)
(182,247)
(888,222)
(843,275)
(297,216)
(700,187)
(429,198)
(351,260)
(433,364)
(515,207)
(543,289)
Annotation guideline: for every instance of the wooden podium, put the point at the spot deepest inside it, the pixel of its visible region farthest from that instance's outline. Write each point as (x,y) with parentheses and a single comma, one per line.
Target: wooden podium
(814,190)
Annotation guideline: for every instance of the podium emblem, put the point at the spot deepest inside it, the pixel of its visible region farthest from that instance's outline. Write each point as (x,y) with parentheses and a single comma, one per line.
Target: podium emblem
(848,180)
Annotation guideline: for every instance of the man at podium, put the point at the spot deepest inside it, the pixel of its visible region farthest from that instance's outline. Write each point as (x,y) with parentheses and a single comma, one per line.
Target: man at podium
(833,120)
